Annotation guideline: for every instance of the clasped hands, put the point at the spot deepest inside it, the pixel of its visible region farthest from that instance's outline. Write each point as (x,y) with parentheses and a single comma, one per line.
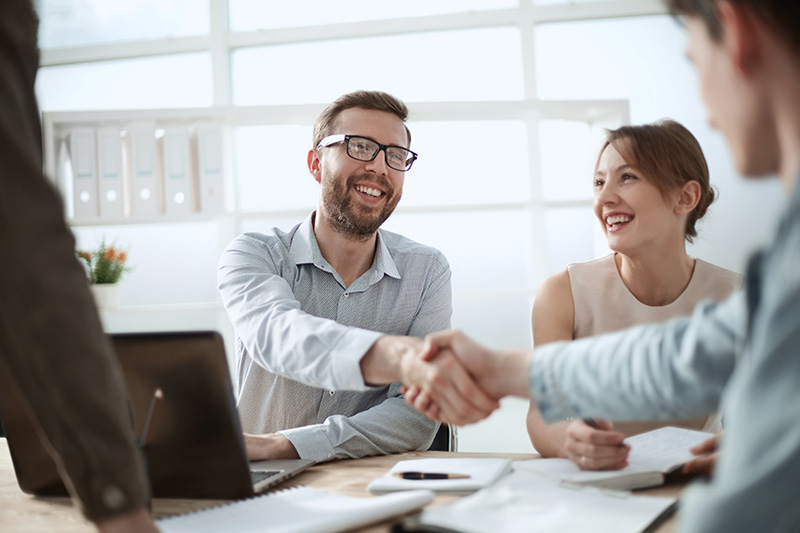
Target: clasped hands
(458,381)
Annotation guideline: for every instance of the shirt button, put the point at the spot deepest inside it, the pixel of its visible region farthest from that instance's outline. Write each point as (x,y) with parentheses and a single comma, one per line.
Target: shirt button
(113,498)
(332,392)
(347,295)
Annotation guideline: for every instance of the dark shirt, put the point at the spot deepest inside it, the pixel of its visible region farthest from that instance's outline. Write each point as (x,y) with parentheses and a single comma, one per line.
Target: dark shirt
(51,341)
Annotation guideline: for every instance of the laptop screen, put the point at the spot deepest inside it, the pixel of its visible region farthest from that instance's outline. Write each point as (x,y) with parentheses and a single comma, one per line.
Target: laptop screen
(195,449)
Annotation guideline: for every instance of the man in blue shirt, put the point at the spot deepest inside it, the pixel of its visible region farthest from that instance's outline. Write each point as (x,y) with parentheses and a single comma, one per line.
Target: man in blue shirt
(336,303)
(743,353)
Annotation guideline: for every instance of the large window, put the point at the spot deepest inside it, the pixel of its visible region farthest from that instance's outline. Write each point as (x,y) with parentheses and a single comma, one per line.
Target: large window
(508,103)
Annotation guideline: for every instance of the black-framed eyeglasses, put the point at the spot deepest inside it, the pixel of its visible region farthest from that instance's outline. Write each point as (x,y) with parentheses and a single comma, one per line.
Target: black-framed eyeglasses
(365,149)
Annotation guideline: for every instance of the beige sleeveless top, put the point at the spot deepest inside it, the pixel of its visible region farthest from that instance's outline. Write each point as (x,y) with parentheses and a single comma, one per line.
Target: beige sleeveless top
(604,304)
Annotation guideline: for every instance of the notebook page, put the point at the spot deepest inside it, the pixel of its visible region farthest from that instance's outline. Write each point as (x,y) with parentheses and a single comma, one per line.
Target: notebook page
(296,510)
(566,469)
(482,472)
(526,501)
(664,449)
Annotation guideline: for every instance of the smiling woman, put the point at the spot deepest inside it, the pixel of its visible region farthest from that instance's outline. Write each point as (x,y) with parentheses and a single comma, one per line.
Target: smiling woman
(651,187)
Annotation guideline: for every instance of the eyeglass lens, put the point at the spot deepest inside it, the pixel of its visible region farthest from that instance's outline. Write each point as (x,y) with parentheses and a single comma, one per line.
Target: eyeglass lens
(365,149)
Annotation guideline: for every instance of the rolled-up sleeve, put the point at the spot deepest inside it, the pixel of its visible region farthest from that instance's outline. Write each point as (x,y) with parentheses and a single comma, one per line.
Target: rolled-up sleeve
(366,433)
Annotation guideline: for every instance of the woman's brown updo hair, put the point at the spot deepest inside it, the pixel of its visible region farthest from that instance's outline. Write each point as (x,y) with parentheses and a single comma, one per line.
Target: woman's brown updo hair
(667,153)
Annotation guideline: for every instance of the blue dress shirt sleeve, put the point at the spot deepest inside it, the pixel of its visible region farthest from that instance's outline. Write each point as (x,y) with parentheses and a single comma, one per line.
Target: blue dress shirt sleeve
(756,480)
(275,331)
(674,370)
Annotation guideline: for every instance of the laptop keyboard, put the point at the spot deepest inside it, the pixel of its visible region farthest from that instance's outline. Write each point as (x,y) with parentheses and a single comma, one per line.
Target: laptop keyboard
(257,476)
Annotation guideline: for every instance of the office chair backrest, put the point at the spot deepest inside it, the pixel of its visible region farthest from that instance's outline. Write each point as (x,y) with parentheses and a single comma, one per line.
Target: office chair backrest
(444,440)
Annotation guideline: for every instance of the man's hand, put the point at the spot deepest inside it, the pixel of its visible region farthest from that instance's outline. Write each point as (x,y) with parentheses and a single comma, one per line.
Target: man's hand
(137,521)
(707,452)
(596,449)
(496,374)
(269,446)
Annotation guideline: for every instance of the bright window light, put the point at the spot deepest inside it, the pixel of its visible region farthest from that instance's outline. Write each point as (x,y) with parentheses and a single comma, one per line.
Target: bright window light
(170,263)
(613,59)
(463,65)
(567,156)
(468,162)
(182,80)
(247,15)
(473,243)
(84,22)
(553,2)
(271,169)
(571,237)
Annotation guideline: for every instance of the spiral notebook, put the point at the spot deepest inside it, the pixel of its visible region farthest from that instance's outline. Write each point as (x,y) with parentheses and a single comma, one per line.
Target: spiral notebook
(297,510)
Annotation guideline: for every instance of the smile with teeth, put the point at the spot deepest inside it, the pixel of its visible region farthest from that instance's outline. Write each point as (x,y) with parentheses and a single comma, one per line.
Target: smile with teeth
(616,220)
(369,191)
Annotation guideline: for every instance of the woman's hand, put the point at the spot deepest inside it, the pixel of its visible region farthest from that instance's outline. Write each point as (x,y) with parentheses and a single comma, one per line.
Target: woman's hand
(596,449)
(707,457)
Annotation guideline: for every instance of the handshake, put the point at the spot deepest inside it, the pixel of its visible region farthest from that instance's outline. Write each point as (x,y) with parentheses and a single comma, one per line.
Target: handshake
(448,376)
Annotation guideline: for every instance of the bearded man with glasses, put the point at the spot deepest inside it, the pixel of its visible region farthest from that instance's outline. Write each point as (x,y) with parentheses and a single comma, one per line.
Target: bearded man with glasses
(329,315)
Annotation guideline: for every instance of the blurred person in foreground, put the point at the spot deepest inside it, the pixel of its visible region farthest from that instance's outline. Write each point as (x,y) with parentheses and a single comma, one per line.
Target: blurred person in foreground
(52,346)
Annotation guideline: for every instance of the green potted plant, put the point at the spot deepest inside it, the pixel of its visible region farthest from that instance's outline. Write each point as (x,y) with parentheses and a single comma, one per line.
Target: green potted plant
(105,266)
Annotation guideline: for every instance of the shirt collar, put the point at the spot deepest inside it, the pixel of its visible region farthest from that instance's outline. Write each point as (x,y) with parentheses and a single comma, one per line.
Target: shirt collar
(384,262)
(305,250)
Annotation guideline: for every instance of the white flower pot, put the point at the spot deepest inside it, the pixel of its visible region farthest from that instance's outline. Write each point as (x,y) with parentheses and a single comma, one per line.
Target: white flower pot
(106,295)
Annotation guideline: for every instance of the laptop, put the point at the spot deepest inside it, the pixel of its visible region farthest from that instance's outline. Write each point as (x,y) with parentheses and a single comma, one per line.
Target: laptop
(196,448)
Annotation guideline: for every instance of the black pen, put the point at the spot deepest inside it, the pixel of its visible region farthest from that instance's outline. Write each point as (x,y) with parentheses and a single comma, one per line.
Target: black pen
(147,430)
(430,475)
(591,423)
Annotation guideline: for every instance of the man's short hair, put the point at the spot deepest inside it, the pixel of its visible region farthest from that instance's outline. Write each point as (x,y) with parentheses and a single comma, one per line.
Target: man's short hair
(376,100)
(783,15)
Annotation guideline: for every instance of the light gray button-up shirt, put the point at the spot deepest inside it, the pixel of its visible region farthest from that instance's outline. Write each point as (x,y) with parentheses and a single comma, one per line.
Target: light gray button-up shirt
(744,352)
(301,335)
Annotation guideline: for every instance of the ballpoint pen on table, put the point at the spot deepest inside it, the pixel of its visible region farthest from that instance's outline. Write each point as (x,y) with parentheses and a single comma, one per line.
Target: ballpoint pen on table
(430,475)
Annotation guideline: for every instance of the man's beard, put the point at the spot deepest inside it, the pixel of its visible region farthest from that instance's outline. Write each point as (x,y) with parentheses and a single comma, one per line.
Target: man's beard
(351,220)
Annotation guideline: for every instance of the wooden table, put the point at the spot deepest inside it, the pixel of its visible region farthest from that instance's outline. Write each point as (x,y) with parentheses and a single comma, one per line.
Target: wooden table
(22,513)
